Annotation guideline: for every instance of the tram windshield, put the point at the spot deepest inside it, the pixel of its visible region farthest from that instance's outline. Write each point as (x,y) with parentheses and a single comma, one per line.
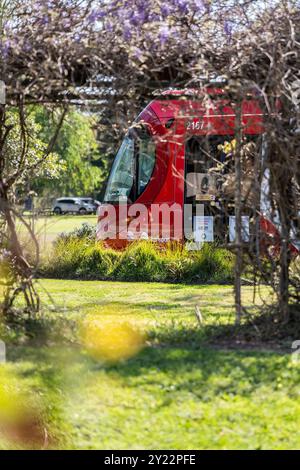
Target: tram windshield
(132,168)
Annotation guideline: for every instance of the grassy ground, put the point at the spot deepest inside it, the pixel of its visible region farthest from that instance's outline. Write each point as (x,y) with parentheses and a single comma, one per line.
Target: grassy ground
(47,228)
(177,393)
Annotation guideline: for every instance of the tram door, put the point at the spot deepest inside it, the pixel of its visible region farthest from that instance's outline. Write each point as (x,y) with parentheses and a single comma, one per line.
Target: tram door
(204,165)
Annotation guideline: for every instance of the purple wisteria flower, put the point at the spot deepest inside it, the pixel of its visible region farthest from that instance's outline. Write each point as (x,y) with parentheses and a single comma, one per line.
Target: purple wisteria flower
(127,33)
(182,6)
(164,34)
(228,29)
(96,15)
(165,10)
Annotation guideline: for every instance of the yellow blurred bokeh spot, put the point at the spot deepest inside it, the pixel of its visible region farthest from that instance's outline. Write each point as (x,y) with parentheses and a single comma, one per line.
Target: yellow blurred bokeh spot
(11,397)
(21,421)
(111,340)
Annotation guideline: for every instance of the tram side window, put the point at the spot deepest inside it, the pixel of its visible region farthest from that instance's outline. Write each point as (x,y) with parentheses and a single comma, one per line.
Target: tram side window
(146,162)
(210,164)
(203,154)
(121,179)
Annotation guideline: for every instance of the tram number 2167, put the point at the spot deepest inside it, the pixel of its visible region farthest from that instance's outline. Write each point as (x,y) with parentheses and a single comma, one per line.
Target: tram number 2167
(195,125)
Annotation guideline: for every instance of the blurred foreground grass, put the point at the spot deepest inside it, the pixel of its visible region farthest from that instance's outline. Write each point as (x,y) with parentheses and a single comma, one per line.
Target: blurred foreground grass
(176,393)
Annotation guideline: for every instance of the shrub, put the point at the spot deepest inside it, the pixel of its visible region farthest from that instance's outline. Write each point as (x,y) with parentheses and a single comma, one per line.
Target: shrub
(82,258)
(211,264)
(66,258)
(97,263)
(85,232)
(141,261)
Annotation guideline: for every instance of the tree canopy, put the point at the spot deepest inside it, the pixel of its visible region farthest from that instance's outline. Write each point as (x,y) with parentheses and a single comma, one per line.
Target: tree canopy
(78,154)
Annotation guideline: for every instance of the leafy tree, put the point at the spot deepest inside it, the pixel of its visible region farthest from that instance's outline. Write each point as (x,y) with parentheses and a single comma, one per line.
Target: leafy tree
(78,152)
(25,155)
(46,167)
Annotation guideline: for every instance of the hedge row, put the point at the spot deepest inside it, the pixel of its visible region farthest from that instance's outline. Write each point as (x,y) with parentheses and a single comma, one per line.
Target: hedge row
(81,258)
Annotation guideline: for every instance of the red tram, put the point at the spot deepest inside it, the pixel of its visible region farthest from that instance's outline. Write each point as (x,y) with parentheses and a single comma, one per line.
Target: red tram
(167,179)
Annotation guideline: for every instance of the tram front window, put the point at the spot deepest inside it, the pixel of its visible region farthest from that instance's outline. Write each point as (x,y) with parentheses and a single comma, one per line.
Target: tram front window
(121,179)
(146,162)
(132,168)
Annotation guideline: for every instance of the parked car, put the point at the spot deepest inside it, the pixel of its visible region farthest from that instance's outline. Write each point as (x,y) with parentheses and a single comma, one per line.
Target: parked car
(91,201)
(65,205)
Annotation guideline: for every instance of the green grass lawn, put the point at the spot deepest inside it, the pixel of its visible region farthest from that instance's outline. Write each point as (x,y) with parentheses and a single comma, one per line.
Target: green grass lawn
(177,393)
(47,228)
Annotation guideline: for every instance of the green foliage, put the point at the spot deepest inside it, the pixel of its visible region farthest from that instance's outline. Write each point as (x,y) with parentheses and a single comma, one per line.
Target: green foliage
(70,169)
(80,257)
(85,231)
(140,261)
(68,257)
(78,150)
(35,159)
(211,259)
(97,260)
